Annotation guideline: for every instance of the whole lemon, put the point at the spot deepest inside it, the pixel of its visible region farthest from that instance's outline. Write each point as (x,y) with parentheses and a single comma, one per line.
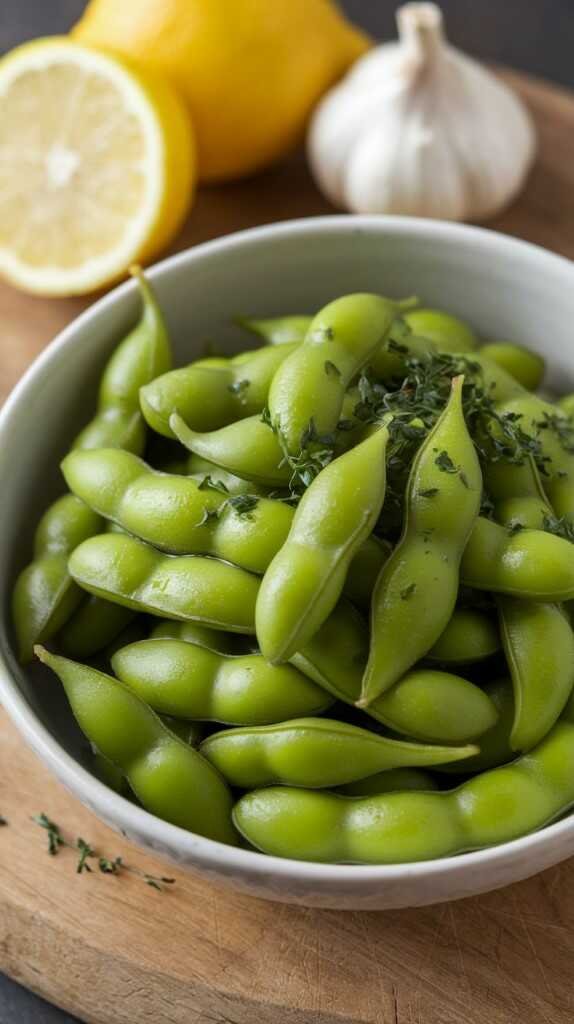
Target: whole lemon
(251,70)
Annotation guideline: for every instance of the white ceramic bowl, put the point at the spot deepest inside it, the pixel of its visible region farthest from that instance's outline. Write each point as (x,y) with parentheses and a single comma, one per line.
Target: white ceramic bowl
(506,288)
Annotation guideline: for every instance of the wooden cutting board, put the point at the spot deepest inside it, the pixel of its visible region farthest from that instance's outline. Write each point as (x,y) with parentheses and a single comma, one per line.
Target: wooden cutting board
(113,950)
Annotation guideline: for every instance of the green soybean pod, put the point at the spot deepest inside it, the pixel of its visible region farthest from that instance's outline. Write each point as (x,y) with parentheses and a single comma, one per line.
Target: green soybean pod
(178,514)
(448,333)
(191,733)
(178,678)
(494,744)
(517,493)
(44,595)
(566,404)
(139,358)
(248,449)
(469,636)
(306,577)
(92,627)
(390,781)
(426,704)
(417,588)
(529,564)
(401,827)
(310,385)
(196,633)
(364,569)
(315,753)
(553,429)
(539,647)
(131,573)
(277,330)
(525,366)
(211,393)
(208,474)
(168,777)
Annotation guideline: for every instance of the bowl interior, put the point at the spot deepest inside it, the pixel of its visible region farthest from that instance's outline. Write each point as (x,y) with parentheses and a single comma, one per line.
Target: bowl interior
(506,289)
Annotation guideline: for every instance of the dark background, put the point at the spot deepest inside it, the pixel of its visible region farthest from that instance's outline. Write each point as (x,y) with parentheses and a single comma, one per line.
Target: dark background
(533,35)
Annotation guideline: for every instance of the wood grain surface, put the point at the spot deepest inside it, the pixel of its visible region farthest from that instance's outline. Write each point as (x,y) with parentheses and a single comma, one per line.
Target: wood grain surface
(115,951)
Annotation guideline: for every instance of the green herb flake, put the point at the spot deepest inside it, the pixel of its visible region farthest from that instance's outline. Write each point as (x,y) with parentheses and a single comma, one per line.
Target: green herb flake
(560,526)
(445,463)
(514,527)
(266,417)
(110,867)
(463,478)
(408,591)
(239,387)
(243,504)
(86,852)
(429,492)
(208,483)
(55,838)
(331,370)
(209,514)
(396,346)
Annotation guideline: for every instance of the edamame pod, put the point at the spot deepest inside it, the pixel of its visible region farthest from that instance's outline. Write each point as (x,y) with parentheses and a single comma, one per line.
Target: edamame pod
(314,753)
(400,827)
(469,636)
(529,564)
(494,744)
(429,705)
(277,330)
(140,357)
(539,647)
(249,449)
(416,591)
(178,514)
(448,333)
(517,493)
(195,633)
(525,366)
(211,393)
(178,678)
(93,626)
(45,596)
(309,387)
(129,572)
(390,781)
(169,777)
(305,579)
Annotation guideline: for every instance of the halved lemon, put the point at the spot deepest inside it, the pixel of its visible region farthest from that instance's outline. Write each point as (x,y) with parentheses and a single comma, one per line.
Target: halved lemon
(97,166)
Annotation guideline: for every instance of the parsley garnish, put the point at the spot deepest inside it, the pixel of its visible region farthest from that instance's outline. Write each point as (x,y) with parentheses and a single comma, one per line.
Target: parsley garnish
(560,526)
(208,515)
(213,485)
(330,369)
(87,853)
(239,387)
(430,492)
(243,504)
(445,463)
(408,591)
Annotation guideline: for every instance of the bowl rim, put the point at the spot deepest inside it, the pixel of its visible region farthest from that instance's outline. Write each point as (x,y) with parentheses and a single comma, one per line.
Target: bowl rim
(197,850)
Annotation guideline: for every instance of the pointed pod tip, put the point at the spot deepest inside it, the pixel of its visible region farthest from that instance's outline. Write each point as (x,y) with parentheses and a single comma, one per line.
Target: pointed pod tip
(41,653)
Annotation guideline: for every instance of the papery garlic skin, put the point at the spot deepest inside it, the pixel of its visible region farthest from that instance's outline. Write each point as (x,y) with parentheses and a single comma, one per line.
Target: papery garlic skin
(418,128)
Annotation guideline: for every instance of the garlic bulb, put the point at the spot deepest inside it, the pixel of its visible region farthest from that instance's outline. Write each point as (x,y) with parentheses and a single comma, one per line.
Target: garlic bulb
(418,128)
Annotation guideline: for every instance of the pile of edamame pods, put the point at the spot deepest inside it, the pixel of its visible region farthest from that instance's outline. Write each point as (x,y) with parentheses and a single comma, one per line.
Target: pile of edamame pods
(315,599)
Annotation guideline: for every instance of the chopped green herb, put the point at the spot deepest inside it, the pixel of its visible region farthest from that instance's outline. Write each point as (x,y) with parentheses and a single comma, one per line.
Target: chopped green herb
(463,478)
(331,370)
(514,527)
(110,867)
(408,591)
(208,515)
(85,852)
(213,485)
(396,346)
(445,463)
(560,526)
(266,417)
(55,840)
(243,504)
(430,492)
(239,387)
(324,333)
